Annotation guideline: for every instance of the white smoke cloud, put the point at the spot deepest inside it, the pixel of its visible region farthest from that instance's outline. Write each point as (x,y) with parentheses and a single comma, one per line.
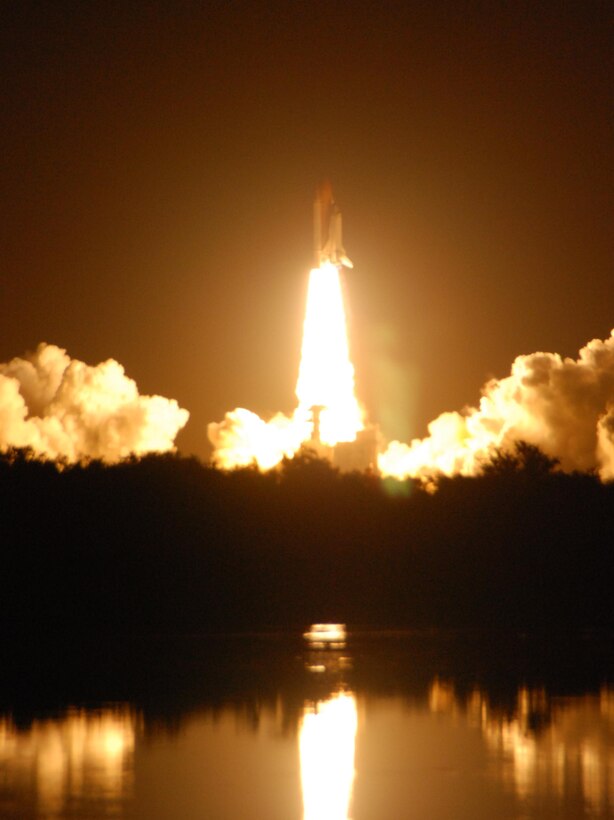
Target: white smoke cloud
(605,445)
(244,438)
(64,408)
(563,406)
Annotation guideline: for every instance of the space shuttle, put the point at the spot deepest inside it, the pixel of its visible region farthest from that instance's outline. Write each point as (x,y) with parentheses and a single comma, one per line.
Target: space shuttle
(327,239)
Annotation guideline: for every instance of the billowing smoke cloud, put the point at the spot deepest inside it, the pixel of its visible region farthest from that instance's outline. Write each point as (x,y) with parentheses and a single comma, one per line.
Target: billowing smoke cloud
(564,406)
(244,438)
(64,408)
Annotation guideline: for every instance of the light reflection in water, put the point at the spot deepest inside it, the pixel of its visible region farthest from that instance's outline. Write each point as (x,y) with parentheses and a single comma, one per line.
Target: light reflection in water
(327,740)
(537,751)
(558,746)
(84,755)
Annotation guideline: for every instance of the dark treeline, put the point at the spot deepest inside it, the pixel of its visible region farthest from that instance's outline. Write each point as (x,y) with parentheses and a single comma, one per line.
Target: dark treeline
(169,544)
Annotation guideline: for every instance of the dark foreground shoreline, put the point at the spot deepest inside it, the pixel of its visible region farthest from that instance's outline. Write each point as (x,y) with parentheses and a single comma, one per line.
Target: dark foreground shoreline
(168,545)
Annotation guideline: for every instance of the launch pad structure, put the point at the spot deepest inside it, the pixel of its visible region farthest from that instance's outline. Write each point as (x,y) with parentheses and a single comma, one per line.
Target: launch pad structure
(348,456)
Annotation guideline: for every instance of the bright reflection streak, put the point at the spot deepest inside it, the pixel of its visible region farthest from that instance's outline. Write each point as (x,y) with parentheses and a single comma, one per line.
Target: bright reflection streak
(327,741)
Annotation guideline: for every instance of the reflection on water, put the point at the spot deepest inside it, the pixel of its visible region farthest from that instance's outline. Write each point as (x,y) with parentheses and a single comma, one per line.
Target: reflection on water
(546,747)
(327,728)
(375,731)
(84,757)
(327,739)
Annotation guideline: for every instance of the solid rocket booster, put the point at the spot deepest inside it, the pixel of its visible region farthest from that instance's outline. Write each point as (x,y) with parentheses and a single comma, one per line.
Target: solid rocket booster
(327,239)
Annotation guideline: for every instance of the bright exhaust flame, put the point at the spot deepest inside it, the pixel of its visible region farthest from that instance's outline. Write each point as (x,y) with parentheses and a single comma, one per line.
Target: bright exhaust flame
(326,374)
(326,381)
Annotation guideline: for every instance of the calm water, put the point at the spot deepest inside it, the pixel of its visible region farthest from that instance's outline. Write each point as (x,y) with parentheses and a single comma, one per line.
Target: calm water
(393,726)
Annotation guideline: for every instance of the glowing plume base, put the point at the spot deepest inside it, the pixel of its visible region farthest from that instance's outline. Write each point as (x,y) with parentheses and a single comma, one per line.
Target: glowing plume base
(325,381)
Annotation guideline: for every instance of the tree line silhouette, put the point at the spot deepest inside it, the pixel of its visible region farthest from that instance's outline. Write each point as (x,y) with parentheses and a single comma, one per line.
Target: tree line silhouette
(168,544)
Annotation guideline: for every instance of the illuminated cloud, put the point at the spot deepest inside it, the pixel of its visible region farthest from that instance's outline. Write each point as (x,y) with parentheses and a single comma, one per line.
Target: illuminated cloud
(563,406)
(244,438)
(64,408)
(605,445)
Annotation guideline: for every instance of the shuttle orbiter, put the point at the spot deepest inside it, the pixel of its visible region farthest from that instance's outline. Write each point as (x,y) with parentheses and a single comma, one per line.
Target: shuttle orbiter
(327,239)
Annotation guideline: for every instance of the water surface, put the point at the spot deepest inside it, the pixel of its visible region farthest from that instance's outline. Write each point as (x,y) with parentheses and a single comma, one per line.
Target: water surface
(392,726)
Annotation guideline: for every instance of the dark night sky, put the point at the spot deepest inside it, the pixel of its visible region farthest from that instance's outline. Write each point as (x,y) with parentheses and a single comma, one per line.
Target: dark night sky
(158,167)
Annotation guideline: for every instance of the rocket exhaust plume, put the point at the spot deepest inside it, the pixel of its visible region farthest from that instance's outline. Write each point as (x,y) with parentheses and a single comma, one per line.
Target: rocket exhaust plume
(563,406)
(64,408)
(326,374)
